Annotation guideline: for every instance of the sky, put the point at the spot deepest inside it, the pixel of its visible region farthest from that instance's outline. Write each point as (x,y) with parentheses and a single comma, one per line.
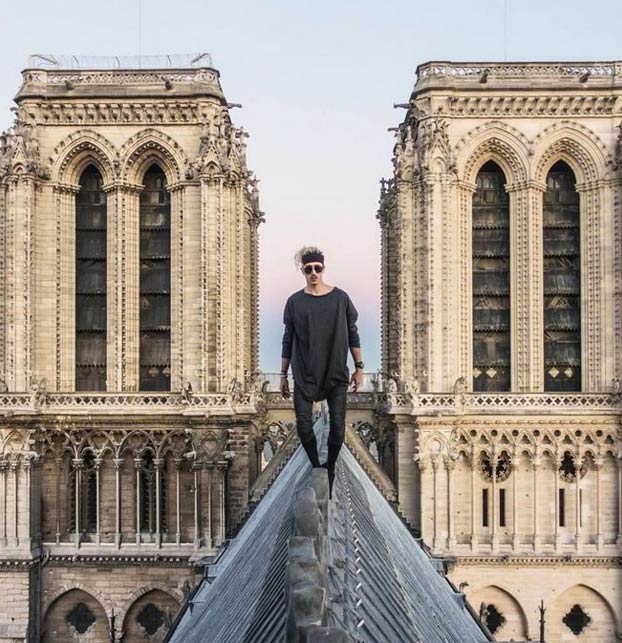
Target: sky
(317,81)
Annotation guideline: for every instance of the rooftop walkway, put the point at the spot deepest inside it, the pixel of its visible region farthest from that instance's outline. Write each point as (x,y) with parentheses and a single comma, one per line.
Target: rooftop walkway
(379,585)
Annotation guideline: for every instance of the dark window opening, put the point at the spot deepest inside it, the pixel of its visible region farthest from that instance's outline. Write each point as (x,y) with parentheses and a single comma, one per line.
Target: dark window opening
(493,618)
(501,507)
(562,278)
(151,619)
(90,302)
(80,618)
(87,504)
(568,468)
(576,620)
(484,507)
(491,281)
(148,496)
(155,283)
(503,467)
(562,508)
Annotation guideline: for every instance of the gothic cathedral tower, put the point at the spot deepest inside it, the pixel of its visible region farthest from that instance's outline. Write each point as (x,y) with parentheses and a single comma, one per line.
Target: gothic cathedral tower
(128,342)
(502,335)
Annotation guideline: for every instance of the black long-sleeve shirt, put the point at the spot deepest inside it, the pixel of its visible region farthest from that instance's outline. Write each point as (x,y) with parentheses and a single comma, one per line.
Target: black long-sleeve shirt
(318,331)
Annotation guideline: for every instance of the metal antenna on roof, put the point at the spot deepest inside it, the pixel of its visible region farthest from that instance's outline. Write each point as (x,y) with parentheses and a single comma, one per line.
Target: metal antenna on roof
(139,33)
(506,13)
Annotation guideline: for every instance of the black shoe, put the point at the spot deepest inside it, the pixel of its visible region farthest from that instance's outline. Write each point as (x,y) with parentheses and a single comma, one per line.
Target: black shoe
(331,479)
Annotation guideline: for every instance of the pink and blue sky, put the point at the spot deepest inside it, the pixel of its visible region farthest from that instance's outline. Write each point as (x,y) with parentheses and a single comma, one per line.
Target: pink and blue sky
(317,81)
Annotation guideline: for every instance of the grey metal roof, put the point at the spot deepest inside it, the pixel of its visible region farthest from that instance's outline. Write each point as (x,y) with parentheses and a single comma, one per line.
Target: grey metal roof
(382,585)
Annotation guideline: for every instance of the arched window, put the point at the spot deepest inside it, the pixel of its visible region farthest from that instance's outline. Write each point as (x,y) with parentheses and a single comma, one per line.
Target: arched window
(155,283)
(90,371)
(562,281)
(491,281)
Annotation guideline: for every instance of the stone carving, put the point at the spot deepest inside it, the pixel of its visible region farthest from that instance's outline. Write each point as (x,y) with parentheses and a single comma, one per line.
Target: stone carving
(460,386)
(38,392)
(235,390)
(186,392)
(19,151)
(412,386)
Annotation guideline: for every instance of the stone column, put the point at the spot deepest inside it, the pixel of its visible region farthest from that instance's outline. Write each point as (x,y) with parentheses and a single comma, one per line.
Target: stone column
(178,201)
(465,290)
(138,464)
(535,464)
(436,465)
(65,203)
(494,537)
(221,467)
(78,465)
(177,462)
(4,467)
(18,336)
(129,313)
(473,503)
(158,463)
(196,468)
(594,286)
(115,263)
(209,536)
(598,465)
(450,465)
(619,467)
(515,531)
(15,471)
(577,532)
(97,464)
(526,295)
(58,462)
(556,517)
(118,462)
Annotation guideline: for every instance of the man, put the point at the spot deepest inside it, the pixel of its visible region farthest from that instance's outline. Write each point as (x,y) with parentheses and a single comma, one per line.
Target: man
(320,325)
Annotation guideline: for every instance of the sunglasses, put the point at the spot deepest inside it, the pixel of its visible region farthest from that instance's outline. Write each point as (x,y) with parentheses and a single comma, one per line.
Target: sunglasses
(313,267)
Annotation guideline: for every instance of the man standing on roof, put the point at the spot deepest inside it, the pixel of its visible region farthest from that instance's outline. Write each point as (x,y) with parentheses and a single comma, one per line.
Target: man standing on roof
(320,325)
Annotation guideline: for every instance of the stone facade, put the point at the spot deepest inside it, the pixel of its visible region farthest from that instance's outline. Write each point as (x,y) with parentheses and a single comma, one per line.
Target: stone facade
(518,487)
(109,498)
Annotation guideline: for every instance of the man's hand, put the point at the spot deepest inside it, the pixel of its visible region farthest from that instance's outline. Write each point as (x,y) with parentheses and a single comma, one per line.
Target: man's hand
(284,388)
(357,379)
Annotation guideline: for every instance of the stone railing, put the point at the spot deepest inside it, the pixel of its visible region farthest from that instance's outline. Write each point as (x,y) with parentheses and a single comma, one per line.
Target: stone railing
(493,403)
(127,403)
(607,69)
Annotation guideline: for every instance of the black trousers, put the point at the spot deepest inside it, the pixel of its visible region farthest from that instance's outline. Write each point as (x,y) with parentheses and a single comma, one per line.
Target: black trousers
(337,398)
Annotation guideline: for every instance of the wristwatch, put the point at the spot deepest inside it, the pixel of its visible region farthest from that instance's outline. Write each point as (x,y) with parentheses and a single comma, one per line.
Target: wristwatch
(359,365)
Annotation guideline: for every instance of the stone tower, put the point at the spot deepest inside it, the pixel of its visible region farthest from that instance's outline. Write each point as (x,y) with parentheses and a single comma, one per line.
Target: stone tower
(128,343)
(502,336)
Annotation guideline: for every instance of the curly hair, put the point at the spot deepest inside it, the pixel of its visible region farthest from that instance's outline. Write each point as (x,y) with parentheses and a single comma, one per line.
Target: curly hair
(303,255)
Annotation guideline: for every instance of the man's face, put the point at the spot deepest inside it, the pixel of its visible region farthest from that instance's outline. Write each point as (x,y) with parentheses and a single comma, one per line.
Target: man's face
(313,272)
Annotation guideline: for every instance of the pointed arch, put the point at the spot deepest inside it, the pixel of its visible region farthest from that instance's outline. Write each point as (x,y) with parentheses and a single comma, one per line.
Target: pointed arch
(150,613)
(149,147)
(497,142)
(514,624)
(80,149)
(576,145)
(603,620)
(72,612)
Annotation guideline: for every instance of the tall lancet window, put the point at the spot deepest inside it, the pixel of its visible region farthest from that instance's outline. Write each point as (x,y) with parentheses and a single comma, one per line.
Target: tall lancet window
(491,281)
(91,283)
(562,281)
(155,283)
